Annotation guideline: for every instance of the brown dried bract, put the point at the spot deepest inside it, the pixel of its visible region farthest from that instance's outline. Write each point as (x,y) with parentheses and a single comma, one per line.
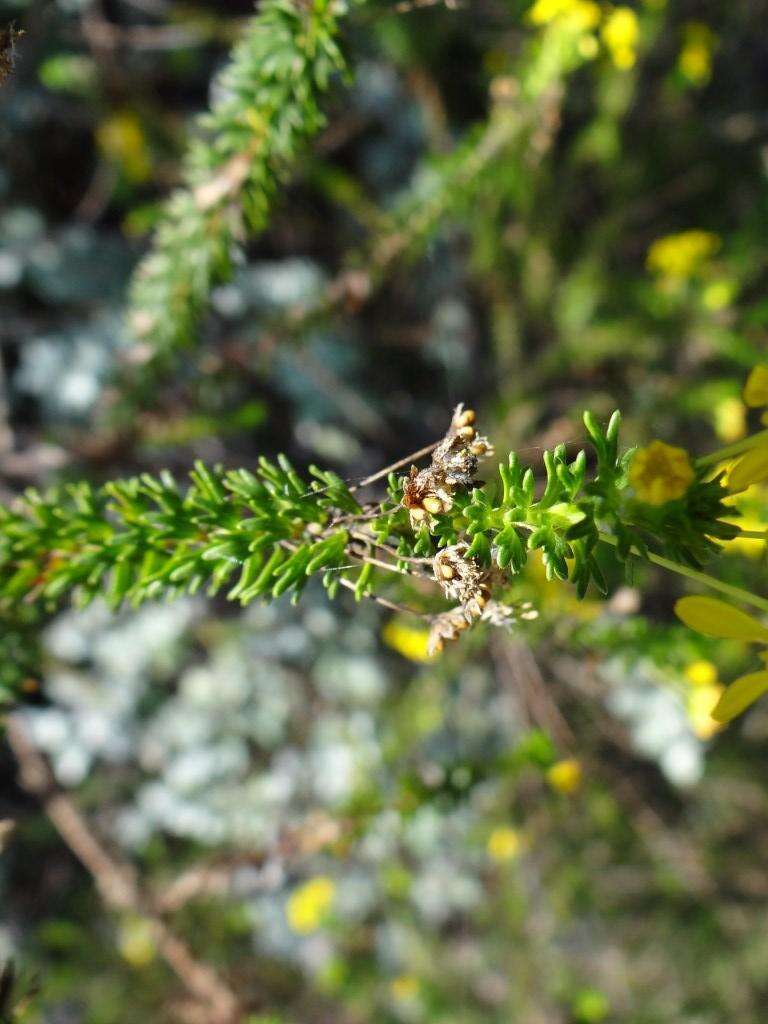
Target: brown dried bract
(465,581)
(429,491)
(462,579)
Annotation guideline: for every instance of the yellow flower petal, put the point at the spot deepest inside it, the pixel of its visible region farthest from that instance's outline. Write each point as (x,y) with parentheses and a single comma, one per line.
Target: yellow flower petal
(680,256)
(503,844)
(730,418)
(716,618)
(701,673)
(660,473)
(565,776)
(308,906)
(695,60)
(740,694)
(700,705)
(410,641)
(752,468)
(620,33)
(756,388)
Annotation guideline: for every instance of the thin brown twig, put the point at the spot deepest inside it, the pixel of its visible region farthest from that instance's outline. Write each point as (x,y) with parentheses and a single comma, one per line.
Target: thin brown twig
(392,606)
(389,549)
(515,660)
(116,881)
(395,465)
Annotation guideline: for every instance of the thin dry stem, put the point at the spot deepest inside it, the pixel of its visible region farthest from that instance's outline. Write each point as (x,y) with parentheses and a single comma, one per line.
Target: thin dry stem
(116,880)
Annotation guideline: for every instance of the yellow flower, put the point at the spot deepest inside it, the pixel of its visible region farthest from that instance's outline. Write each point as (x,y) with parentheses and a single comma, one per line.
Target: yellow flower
(121,140)
(730,420)
(700,704)
(695,60)
(716,618)
(503,844)
(751,468)
(718,294)
(660,473)
(136,941)
(756,388)
(679,256)
(409,641)
(700,673)
(730,416)
(308,906)
(581,14)
(404,988)
(565,776)
(620,33)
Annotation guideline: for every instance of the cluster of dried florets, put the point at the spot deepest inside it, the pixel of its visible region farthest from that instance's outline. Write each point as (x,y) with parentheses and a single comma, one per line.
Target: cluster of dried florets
(464,580)
(429,491)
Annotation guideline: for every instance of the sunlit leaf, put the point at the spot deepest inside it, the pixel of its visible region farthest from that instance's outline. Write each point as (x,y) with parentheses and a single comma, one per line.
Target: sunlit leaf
(740,694)
(752,468)
(716,618)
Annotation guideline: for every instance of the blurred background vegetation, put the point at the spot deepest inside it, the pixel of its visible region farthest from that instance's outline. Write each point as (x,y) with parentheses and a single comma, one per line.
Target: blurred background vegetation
(289,815)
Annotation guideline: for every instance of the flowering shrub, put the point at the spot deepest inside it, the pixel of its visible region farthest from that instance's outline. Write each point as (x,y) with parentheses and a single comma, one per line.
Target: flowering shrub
(443,795)
(142,538)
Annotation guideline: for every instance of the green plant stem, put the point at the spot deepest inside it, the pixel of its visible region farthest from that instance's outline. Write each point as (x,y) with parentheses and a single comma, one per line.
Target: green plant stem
(734,449)
(694,574)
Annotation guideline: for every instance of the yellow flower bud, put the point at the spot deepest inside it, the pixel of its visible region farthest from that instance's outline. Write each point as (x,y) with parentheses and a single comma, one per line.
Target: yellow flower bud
(503,844)
(565,776)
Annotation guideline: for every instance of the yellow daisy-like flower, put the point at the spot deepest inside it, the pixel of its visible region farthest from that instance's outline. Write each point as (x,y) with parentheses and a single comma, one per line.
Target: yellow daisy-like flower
(308,906)
(503,844)
(679,256)
(695,60)
(660,473)
(756,388)
(410,641)
(700,673)
(620,33)
(716,618)
(565,776)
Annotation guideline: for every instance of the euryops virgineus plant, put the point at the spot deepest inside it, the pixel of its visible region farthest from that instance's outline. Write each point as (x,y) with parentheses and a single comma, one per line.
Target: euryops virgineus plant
(265,532)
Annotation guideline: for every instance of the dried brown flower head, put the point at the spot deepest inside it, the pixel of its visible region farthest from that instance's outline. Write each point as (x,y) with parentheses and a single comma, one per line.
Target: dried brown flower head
(462,579)
(465,581)
(429,491)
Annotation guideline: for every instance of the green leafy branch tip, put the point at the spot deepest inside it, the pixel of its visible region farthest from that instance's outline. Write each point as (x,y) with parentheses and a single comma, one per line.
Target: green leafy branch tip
(267,104)
(264,533)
